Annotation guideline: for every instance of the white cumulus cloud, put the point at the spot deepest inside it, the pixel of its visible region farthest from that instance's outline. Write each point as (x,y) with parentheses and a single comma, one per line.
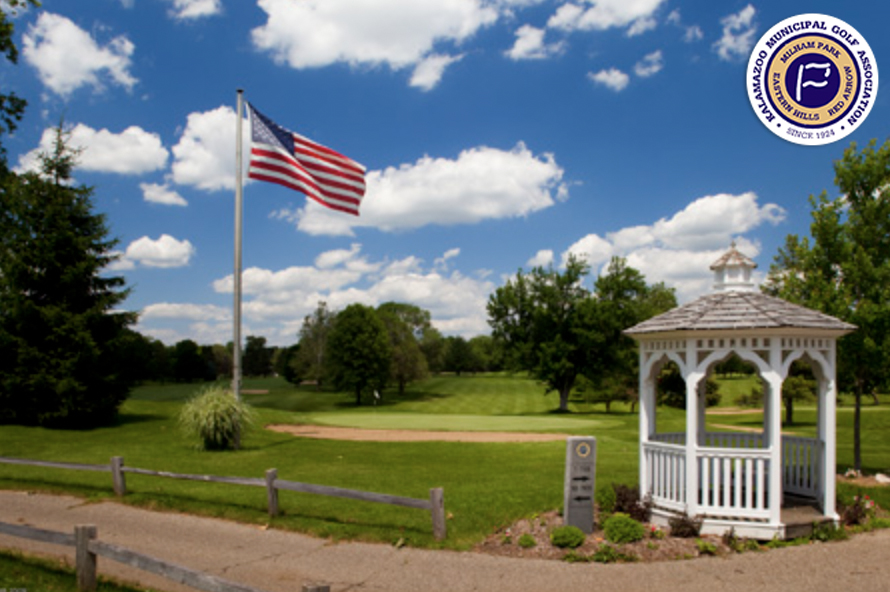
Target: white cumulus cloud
(395,33)
(133,151)
(279,299)
(680,249)
(66,57)
(193,9)
(204,157)
(161,194)
(590,15)
(193,312)
(650,65)
(530,45)
(612,78)
(430,69)
(738,34)
(542,258)
(480,184)
(165,252)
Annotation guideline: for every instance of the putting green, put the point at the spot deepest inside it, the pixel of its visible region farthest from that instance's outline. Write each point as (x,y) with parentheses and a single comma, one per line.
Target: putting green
(466,423)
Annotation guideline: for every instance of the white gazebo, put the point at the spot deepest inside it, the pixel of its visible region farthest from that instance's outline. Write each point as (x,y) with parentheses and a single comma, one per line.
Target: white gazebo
(739,480)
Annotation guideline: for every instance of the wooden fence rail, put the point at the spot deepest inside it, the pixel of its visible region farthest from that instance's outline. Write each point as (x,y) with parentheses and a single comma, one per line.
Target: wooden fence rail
(435,505)
(87,549)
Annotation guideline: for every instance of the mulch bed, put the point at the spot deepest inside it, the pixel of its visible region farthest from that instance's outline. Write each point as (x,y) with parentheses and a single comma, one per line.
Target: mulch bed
(505,542)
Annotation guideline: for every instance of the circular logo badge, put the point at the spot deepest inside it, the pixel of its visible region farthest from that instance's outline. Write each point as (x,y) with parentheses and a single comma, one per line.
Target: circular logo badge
(583,450)
(812,79)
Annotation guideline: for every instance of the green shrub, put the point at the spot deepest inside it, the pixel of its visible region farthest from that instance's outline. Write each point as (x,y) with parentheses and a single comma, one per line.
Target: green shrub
(216,418)
(605,498)
(828,532)
(572,557)
(731,540)
(685,527)
(705,547)
(567,537)
(527,541)
(606,553)
(627,501)
(621,528)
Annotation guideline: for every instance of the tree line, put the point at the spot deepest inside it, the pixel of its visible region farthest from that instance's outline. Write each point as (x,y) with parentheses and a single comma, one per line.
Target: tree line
(415,348)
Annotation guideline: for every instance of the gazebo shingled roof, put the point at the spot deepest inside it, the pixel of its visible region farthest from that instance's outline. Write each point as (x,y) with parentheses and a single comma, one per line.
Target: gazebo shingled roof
(738,310)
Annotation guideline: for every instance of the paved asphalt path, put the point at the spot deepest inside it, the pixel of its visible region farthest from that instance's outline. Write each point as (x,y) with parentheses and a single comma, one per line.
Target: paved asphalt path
(278,561)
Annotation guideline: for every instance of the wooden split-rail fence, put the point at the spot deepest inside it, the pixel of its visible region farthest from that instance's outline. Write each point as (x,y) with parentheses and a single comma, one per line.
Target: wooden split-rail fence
(88,549)
(435,505)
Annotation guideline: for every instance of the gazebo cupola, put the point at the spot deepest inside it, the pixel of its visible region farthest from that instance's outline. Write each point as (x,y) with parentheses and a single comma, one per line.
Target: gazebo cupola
(733,271)
(738,480)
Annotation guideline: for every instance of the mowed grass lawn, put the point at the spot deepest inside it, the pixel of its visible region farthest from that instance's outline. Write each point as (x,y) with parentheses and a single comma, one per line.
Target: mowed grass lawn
(19,572)
(487,486)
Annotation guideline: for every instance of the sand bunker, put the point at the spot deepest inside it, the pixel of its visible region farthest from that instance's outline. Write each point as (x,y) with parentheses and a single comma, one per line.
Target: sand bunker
(356,434)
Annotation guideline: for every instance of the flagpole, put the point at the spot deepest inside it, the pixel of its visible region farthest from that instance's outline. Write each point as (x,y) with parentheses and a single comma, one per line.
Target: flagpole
(236,352)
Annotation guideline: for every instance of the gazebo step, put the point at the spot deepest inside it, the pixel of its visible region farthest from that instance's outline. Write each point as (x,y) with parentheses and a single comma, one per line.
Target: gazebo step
(800,520)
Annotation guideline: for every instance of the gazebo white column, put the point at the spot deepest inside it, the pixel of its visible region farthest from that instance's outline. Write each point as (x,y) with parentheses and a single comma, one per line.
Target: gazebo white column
(827,433)
(692,442)
(773,440)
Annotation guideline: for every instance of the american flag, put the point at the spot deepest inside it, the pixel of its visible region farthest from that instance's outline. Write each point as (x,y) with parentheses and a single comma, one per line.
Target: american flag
(278,155)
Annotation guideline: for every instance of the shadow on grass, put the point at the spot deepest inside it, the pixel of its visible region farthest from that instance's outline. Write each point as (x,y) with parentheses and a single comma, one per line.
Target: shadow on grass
(591,413)
(296,518)
(125,419)
(92,492)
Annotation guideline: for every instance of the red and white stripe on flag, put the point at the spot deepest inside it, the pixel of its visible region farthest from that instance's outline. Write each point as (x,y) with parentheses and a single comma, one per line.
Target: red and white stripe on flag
(278,155)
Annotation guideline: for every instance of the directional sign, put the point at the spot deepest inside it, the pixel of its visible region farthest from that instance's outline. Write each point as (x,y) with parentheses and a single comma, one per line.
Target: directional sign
(580,480)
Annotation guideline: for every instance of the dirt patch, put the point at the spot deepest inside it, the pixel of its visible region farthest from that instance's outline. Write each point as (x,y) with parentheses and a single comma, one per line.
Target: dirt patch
(735,428)
(255,391)
(363,435)
(732,411)
(863,481)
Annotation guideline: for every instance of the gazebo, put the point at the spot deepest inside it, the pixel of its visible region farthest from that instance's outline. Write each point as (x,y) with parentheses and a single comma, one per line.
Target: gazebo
(755,483)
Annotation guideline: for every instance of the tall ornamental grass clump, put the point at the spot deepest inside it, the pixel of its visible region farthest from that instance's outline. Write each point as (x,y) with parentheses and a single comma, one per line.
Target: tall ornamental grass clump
(216,418)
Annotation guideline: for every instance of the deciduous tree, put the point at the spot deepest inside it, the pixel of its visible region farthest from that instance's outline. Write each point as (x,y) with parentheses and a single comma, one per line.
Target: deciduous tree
(257,357)
(556,329)
(310,362)
(12,107)
(404,322)
(359,351)
(843,269)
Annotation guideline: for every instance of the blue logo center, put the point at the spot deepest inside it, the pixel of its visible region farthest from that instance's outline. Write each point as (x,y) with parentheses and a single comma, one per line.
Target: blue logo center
(812,80)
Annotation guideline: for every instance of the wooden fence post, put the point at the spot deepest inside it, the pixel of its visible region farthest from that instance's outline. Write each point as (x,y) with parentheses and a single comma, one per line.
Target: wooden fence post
(437,510)
(117,476)
(85,560)
(272,492)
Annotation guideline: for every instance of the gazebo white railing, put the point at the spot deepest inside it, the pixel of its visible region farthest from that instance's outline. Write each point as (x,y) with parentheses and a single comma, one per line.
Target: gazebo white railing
(733,473)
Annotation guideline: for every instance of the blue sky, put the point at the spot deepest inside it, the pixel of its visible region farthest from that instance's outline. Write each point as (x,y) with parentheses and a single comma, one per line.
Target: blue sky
(497,134)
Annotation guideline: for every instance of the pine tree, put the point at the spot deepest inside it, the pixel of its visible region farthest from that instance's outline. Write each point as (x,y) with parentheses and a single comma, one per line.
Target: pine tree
(61,339)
